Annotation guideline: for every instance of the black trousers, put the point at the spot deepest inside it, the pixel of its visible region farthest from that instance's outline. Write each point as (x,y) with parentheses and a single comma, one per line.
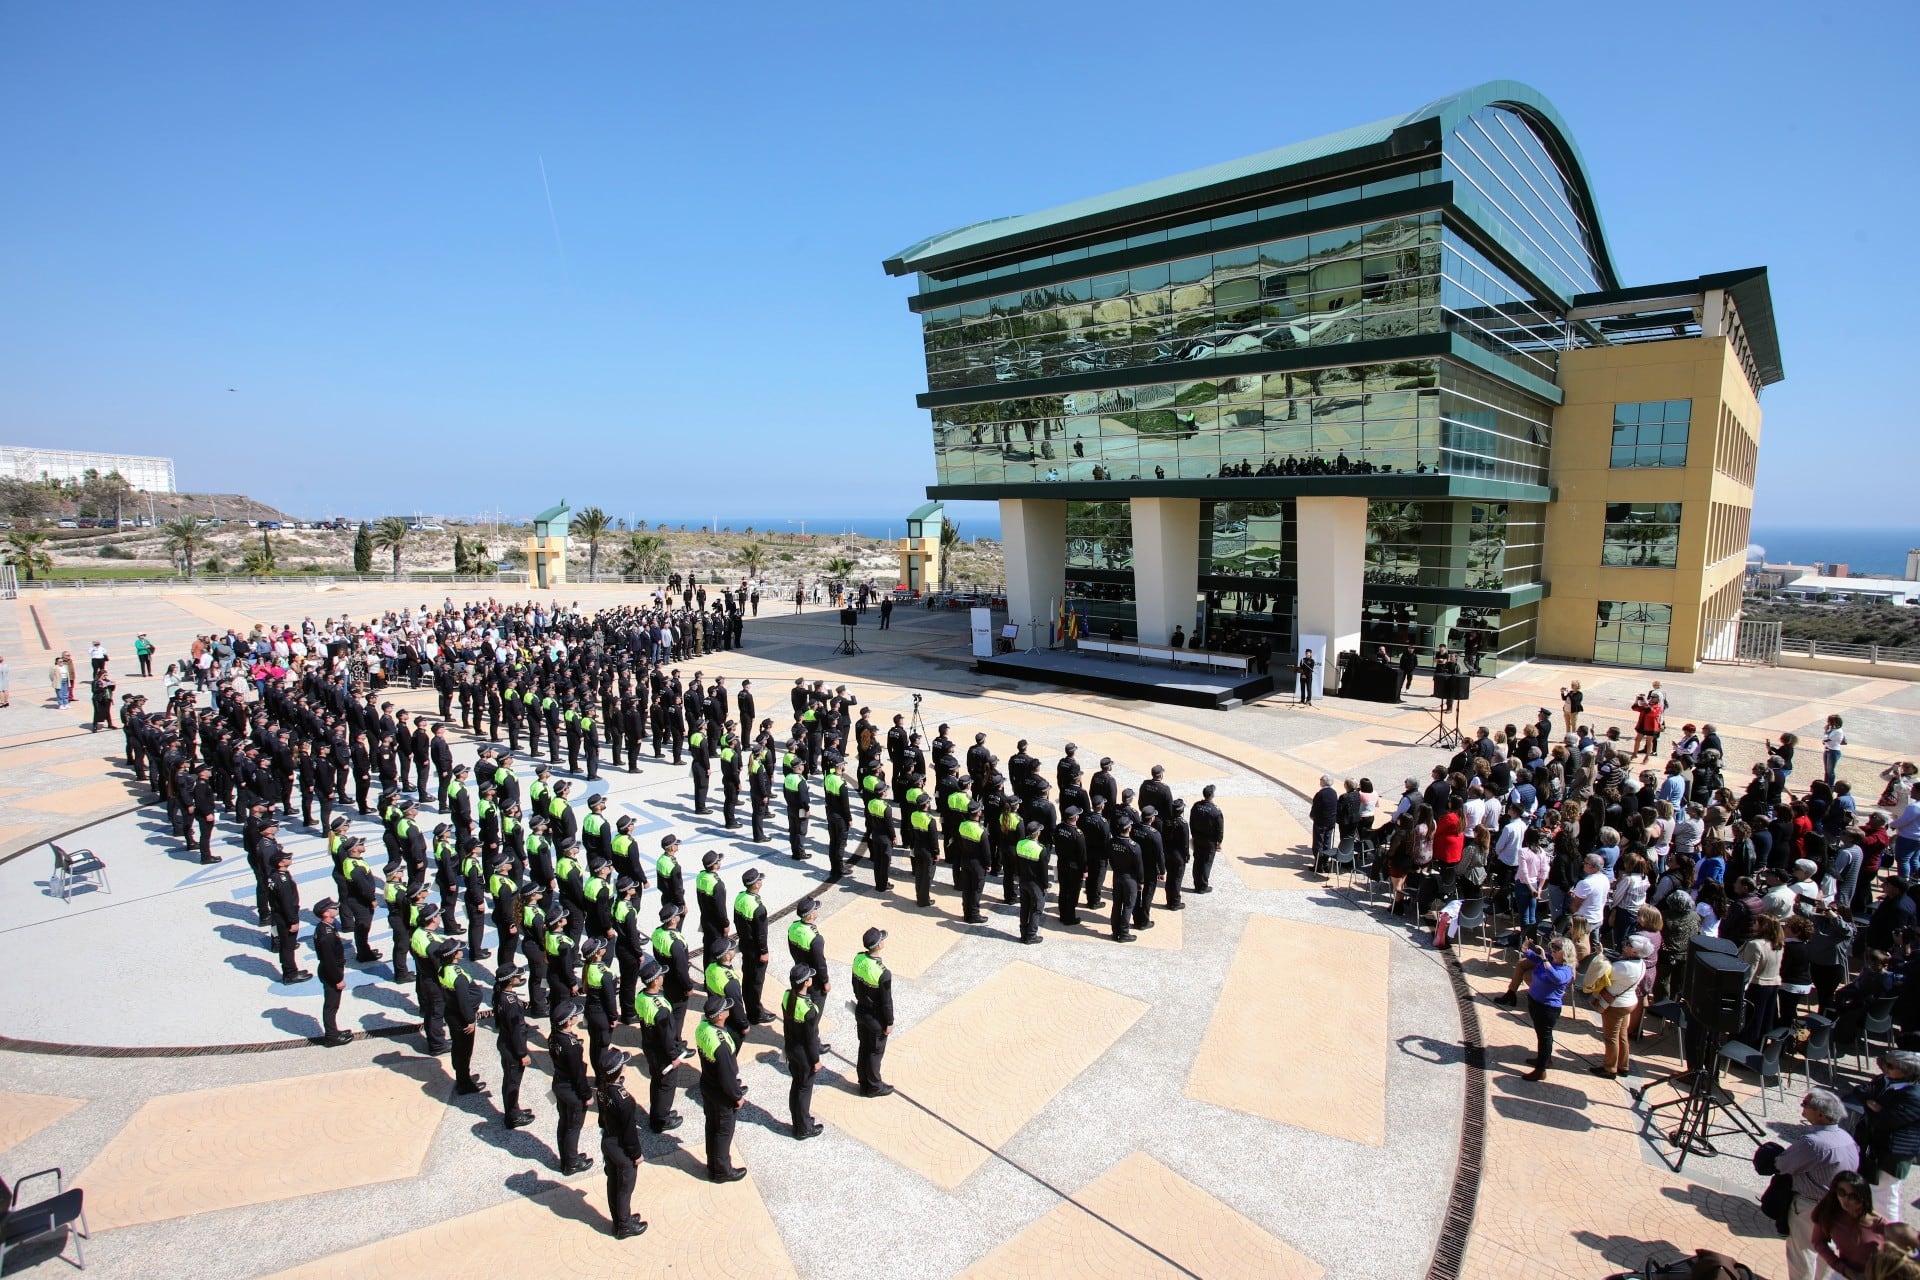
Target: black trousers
(445,778)
(1096,879)
(882,850)
(511,1073)
(924,858)
(401,937)
(286,939)
(433,1008)
(1071,874)
(753,980)
(798,821)
(1176,872)
(873,1051)
(729,804)
(1544,1016)
(1125,890)
(361,781)
(463,1038)
(573,1114)
(972,877)
(720,1120)
(800,1095)
(329,1008)
(659,1098)
(1203,854)
(836,845)
(621,1175)
(1143,902)
(206,838)
(359,920)
(702,778)
(1033,899)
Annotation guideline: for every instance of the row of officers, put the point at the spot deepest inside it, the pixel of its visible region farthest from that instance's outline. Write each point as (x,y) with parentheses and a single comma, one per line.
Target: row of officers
(593,1073)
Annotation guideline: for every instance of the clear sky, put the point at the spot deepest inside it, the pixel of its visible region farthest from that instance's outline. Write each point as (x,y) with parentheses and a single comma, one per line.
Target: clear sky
(339,211)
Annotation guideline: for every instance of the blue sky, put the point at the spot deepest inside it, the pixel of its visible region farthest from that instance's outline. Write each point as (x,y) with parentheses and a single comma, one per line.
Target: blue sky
(339,211)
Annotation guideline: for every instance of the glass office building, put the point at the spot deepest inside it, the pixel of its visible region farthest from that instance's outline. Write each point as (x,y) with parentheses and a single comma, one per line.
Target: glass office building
(1314,392)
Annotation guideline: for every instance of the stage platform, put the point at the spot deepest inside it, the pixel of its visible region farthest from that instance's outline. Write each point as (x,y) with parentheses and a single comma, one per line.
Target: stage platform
(1186,686)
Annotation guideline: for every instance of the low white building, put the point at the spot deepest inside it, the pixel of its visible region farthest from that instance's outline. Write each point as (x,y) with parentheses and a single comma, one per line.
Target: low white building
(24,462)
(1852,590)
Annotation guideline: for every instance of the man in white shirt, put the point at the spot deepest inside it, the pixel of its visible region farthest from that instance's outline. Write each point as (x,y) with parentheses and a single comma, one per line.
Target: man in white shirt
(1590,895)
(1805,886)
(1513,837)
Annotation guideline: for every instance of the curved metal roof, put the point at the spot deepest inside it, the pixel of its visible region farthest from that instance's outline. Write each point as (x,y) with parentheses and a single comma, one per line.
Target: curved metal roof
(1424,129)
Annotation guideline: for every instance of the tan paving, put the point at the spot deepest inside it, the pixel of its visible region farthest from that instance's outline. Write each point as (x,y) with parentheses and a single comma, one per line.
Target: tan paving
(916,939)
(1133,756)
(1142,1219)
(188,1153)
(208,609)
(1095,925)
(1266,844)
(1344,754)
(1555,1150)
(941,1124)
(24,1114)
(1299,1034)
(79,768)
(80,799)
(695,1230)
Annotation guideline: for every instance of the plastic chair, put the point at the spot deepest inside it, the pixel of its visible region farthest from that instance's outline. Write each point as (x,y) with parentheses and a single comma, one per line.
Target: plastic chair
(1366,857)
(1879,1022)
(56,1213)
(76,864)
(1673,1013)
(1473,915)
(1819,1046)
(1764,1062)
(1343,856)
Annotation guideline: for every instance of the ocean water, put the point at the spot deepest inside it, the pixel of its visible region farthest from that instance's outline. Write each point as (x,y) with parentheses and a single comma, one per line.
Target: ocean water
(1880,553)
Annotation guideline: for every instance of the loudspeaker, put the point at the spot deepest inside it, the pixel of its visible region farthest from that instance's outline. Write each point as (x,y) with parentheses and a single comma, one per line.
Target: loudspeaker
(1715,992)
(1462,686)
(849,617)
(1452,687)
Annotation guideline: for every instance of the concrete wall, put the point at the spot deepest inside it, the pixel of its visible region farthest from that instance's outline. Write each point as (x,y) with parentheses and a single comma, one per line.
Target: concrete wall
(1166,566)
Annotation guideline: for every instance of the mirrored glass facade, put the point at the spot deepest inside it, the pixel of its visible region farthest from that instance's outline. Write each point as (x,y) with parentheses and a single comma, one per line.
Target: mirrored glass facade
(1633,633)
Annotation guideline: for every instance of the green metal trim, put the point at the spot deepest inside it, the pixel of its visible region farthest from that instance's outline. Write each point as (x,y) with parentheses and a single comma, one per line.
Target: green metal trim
(1395,204)
(1752,297)
(1250,489)
(1420,132)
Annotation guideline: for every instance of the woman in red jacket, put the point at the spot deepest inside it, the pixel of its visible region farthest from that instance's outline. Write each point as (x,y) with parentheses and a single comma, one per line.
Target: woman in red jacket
(1449,842)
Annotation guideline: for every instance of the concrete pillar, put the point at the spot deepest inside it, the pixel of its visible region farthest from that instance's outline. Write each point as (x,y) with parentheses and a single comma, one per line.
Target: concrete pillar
(1332,536)
(1033,532)
(1166,566)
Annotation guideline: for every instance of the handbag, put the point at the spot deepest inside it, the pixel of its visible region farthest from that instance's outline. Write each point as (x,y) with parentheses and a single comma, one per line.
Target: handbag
(1777,1201)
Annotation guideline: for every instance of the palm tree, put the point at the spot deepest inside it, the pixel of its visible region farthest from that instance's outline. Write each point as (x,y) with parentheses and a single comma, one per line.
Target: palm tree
(640,558)
(592,524)
(470,557)
(949,539)
(25,551)
(839,569)
(751,557)
(186,537)
(260,561)
(391,535)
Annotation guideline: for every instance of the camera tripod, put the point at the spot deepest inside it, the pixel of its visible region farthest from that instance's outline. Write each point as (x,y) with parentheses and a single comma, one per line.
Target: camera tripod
(848,645)
(1696,1129)
(917,723)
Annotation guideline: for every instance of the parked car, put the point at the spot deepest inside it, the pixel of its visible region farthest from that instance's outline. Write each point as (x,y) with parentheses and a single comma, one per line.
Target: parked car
(69,524)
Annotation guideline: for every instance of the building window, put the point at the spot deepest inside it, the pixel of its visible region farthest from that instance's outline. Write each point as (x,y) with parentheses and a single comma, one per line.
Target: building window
(1632,633)
(1651,433)
(1641,535)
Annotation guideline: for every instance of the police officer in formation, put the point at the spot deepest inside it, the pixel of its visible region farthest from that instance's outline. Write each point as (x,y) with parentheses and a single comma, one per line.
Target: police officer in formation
(564,894)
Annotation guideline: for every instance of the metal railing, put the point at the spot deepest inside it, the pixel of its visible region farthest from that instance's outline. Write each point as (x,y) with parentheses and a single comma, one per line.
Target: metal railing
(1858,652)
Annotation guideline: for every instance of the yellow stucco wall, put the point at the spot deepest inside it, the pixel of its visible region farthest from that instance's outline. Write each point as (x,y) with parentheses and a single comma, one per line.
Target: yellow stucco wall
(1704,370)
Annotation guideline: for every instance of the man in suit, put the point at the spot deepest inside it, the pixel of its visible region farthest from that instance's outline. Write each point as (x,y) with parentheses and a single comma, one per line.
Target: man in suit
(1324,814)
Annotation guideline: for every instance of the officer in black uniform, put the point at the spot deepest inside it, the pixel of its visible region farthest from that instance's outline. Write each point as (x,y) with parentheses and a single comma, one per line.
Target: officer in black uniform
(660,1041)
(463,1013)
(872,1012)
(750,929)
(923,846)
(1099,835)
(571,1088)
(1174,844)
(970,854)
(1070,861)
(619,1144)
(721,1092)
(1208,828)
(1153,859)
(670,952)
(802,1034)
(1123,857)
(283,896)
(839,816)
(799,805)
(667,874)
(510,1036)
(710,892)
(332,963)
